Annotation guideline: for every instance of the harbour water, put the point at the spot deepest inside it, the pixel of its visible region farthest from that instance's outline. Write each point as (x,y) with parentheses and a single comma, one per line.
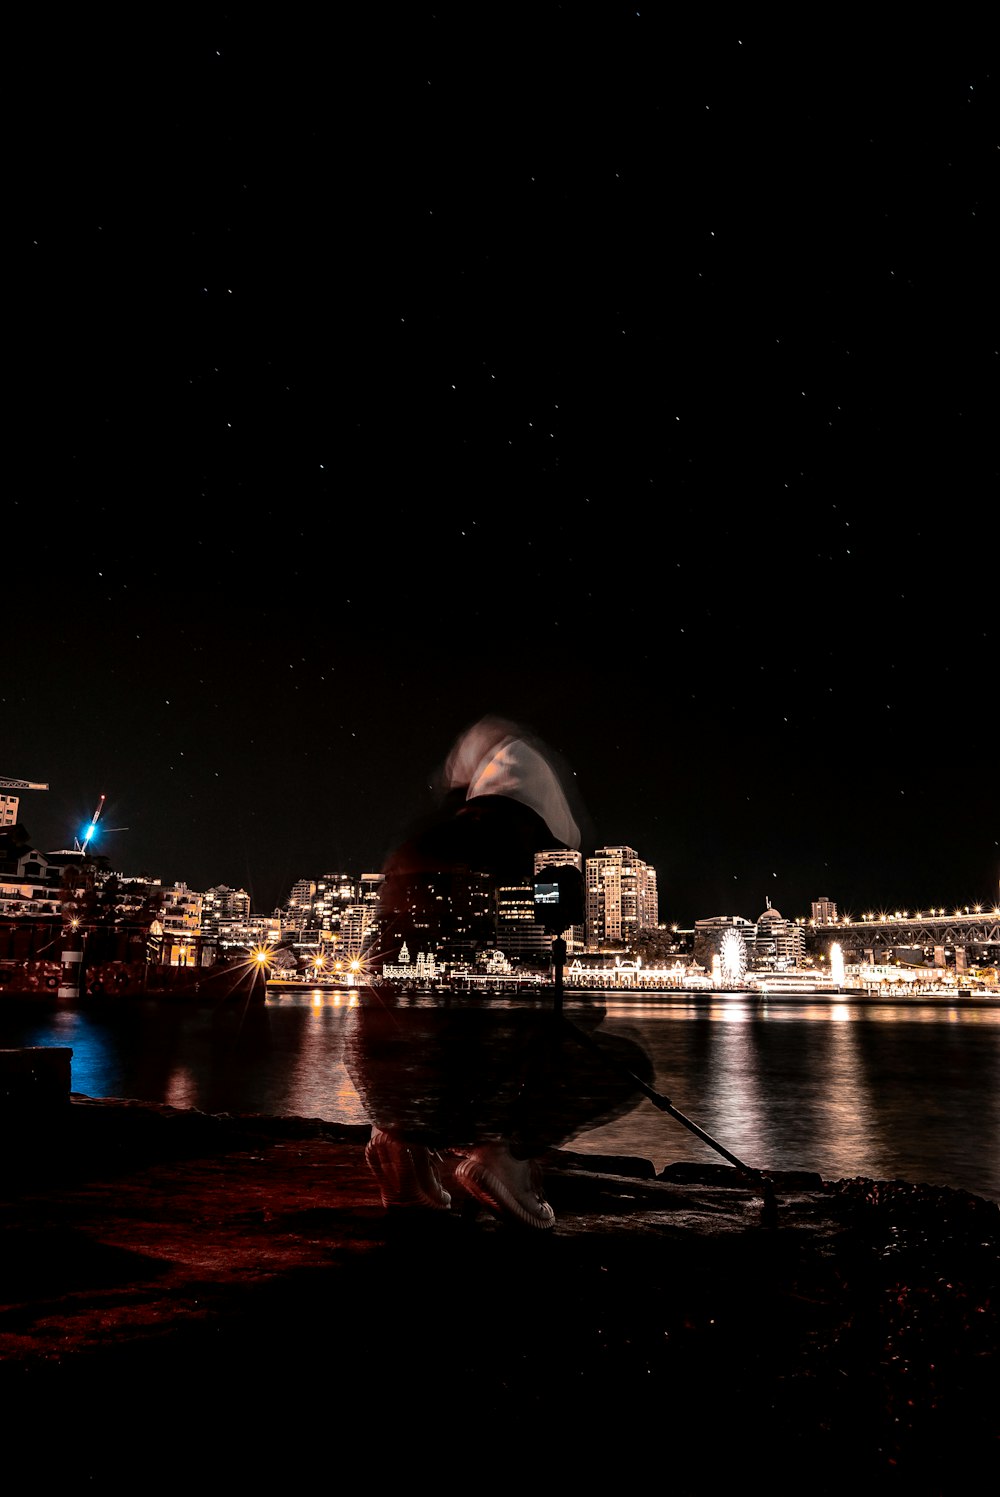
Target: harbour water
(905,1091)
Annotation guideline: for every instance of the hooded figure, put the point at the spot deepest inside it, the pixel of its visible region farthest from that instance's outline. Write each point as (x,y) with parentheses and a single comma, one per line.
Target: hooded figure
(501,801)
(469,1097)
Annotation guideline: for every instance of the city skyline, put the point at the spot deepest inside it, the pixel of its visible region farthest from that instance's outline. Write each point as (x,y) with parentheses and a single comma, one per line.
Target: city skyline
(844,912)
(365,388)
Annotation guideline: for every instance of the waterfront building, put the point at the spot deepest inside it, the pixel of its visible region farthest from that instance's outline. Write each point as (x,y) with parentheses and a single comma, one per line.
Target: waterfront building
(222,904)
(606,971)
(424,971)
(518,933)
(824,911)
(621,897)
(314,912)
(771,942)
(778,943)
(352,937)
(181,909)
(180,927)
(297,915)
(248,933)
(29,886)
(561,857)
(448,915)
(332,895)
(713,932)
(367,893)
(26,899)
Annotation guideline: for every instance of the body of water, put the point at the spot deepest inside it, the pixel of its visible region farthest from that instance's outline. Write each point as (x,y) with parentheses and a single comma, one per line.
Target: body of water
(844,1088)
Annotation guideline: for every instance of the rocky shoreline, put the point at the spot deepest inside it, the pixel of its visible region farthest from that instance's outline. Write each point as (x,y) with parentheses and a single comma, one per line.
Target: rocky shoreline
(189,1291)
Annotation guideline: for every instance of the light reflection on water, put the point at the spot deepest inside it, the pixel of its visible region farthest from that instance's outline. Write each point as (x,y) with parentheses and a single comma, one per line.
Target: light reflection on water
(839,1088)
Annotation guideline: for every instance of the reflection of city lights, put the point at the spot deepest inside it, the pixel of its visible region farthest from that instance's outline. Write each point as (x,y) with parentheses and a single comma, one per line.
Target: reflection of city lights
(358,969)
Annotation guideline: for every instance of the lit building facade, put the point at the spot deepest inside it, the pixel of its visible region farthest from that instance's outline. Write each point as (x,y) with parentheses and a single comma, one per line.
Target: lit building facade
(780,943)
(621,897)
(557,857)
(450,916)
(180,923)
(297,916)
(352,935)
(223,904)
(518,933)
(332,895)
(710,933)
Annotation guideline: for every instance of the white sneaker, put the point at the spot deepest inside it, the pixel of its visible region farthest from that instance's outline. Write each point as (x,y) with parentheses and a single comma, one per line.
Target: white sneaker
(405,1172)
(507,1185)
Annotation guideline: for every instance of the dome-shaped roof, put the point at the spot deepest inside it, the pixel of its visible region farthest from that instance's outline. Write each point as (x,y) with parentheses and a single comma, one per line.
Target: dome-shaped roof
(770,914)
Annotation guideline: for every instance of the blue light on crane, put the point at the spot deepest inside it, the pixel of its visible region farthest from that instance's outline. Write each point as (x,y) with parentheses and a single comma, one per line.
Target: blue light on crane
(92,828)
(80,843)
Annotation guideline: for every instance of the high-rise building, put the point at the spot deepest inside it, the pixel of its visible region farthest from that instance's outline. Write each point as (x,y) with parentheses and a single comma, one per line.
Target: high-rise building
(824,911)
(518,934)
(333,893)
(354,922)
(450,915)
(621,897)
(297,916)
(561,857)
(557,857)
(223,903)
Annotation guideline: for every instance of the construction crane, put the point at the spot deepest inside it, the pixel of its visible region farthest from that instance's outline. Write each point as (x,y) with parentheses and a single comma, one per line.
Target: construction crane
(92,827)
(20,785)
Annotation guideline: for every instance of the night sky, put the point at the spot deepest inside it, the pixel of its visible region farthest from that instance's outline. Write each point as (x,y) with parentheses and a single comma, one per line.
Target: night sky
(633,380)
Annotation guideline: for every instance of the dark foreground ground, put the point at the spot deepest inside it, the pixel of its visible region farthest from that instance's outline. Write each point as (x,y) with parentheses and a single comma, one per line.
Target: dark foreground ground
(221,1302)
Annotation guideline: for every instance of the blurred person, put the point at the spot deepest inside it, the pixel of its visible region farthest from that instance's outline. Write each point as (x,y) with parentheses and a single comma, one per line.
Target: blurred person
(467,1097)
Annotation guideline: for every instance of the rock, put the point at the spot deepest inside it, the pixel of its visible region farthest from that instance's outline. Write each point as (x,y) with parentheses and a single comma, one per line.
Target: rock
(223,1297)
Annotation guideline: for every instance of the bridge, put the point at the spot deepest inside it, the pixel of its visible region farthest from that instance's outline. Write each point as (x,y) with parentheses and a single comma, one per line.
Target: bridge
(967,935)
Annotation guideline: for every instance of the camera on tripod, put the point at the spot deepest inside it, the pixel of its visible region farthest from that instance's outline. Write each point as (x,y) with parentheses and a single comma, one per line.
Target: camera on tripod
(559,901)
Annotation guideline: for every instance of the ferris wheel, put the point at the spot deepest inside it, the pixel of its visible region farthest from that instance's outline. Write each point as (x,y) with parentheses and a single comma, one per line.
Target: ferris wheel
(732,959)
